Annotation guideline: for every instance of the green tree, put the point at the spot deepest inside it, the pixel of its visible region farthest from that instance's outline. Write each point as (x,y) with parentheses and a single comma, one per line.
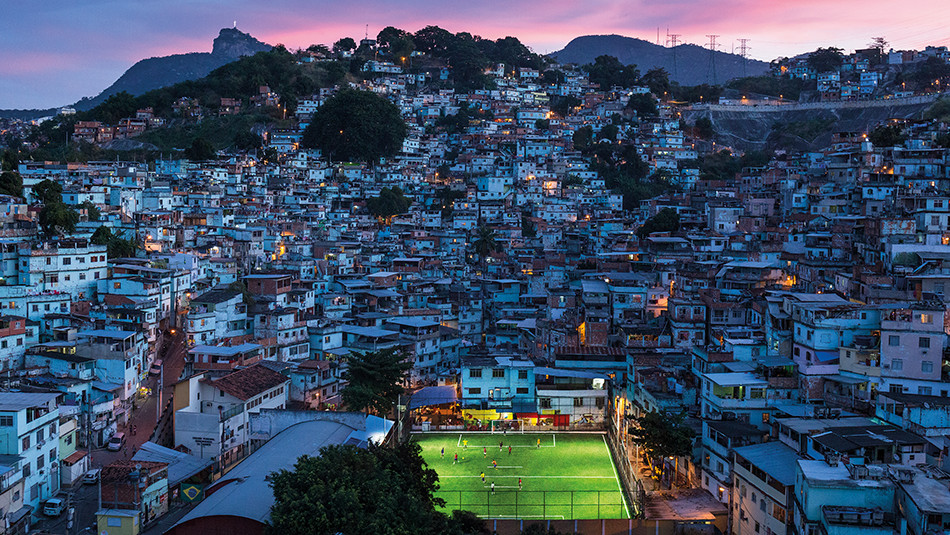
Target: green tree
(92,211)
(888,135)
(607,71)
(116,245)
(375,380)
(10,160)
(583,138)
(563,105)
(704,128)
(433,40)
(101,236)
(346,44)
(47,192)
(609,133)
(395,43)
(11,183)
(57,219)
(485,242)
(201,149)
(663,435)
(390,202)
(247,141)
(826,59)
(379,490)
(666,220)
(356,125)
(528,228)
(644,105)
(658,80)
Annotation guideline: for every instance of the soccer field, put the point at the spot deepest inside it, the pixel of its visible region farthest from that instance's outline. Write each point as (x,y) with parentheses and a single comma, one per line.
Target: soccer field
(568,476)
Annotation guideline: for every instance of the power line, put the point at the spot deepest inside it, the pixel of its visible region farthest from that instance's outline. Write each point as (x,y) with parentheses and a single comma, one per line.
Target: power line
(711,73)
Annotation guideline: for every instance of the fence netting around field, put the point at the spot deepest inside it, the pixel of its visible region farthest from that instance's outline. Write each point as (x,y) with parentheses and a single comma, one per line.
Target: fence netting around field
(507,502)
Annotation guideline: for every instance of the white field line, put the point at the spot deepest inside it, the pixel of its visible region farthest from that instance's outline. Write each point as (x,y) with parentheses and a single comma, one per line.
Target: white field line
(533,477)
(524,516)
(623,499)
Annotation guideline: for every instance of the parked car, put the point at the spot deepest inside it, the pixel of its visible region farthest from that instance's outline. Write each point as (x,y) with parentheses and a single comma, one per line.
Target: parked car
(91,477)
(116,442)
(156,367)
(53,507)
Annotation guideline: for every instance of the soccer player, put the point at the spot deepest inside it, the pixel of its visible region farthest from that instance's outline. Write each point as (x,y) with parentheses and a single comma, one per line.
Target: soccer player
(509,449)
(539,442)
(465,443)
(484,451)
(456,460)
(492,487)
(494,464)
(501,445)
(443,452)
(483,477)
(519,483)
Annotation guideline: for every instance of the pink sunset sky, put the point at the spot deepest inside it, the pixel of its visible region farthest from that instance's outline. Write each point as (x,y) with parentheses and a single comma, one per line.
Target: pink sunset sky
(54,52)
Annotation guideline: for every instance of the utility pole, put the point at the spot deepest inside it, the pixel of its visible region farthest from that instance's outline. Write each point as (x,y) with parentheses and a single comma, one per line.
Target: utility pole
(711,73)
(744,52)
(672,40)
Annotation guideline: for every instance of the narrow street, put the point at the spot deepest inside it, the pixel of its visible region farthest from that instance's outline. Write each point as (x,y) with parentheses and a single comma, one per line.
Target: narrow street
(85,498)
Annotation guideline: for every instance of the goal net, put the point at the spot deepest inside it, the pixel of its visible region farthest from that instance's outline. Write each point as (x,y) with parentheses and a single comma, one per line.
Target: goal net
(506,426)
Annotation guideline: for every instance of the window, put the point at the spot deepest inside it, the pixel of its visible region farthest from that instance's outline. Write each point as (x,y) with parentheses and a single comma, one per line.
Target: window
(578,402)
(475,372)
(6,421)
(923,342)
(894,340)
(544,403)
(498,373)
(926,366)
(40,462)
(113,522)
(522,391)
(26,470)
(474,391)
(926,318)
(897,365)
(522,374)
(26,443)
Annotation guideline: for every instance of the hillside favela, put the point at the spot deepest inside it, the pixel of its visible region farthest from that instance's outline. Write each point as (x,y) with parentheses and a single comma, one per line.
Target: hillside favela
(455,280)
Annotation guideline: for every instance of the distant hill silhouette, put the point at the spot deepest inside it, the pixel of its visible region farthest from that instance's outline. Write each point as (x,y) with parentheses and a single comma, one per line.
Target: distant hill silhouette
(692,61)
(154,73)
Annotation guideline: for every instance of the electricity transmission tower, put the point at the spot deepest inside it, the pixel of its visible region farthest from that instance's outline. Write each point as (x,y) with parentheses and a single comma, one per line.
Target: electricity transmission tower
(673,39)
(744,52)
(711,72)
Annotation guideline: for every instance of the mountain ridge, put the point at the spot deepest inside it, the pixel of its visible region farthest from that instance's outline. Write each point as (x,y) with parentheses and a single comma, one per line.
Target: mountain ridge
(692,61)
(162,71)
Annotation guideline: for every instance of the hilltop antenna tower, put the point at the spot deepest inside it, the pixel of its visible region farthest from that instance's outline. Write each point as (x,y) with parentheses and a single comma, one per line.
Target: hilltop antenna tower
(672,40)
(711,73)
(744,52)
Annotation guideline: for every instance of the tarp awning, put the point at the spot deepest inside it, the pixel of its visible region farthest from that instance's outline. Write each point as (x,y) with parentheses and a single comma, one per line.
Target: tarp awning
(433,395)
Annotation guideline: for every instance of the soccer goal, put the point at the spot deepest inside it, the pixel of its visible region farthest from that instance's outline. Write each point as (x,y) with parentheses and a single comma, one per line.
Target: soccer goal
(506,426)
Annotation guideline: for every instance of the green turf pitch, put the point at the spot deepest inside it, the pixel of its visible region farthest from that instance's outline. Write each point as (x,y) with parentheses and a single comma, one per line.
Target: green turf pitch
(569,476)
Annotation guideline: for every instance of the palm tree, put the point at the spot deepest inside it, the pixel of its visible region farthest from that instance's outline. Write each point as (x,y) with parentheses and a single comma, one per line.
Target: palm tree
(484,244)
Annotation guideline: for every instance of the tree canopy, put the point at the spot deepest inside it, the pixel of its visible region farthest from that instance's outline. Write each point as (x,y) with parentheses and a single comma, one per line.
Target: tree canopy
(663,435)
(380,490)
(607,71)
(826,59)
(666,220)
(116,245)
(375,380)
(390,202)
(888,135)
(356,126)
